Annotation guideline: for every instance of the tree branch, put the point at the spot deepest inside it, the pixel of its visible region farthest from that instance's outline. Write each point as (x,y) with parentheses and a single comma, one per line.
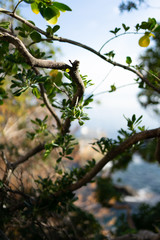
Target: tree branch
(74,73)
(60,39)
(54,115)
(114,153)
(32,61)
(48,106)
(28,155)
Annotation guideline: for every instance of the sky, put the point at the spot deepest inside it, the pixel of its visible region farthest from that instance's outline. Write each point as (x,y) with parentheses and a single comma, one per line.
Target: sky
(90,23)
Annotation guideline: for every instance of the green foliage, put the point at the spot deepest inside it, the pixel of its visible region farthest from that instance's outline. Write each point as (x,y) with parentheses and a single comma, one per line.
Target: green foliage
(110,54)
(4,25)
(115,31)
(50,10)
(106,144)
(51,30)
(126,28)
(25,80)
(128,60)
(149,25)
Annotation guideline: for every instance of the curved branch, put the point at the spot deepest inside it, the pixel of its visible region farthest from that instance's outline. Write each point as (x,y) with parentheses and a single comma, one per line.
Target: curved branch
(114,153)
(32,61)
(116,36)
(60,39)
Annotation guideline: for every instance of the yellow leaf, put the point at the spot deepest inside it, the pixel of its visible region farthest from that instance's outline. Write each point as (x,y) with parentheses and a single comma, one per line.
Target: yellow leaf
(53,20)
(34,8)
(144,41)
(53,73)
(151,35)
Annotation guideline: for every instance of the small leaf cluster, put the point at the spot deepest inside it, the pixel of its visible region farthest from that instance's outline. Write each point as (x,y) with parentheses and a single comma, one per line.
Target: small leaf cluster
(47,187)
(10,60)
(41,127)
(49,10)
(103,145)
(133,123)
(150,25)
(110,54)
(4,25)
(25,80)
(116,30)
(25,31)
(46,190)
(74,113)
(66,107)
(65,143)
(52,30)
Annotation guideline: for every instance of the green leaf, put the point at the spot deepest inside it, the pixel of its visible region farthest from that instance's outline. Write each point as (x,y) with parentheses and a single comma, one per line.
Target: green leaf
(110,54)
(115,31)
(4,24)
(150,25)
(113,88)
(35,36)
(128,60)
(59,160)
(70,158)
(62,7)
(55,28)
(36,92)
(125,27)
(48,12)
(133,118)
(35,8)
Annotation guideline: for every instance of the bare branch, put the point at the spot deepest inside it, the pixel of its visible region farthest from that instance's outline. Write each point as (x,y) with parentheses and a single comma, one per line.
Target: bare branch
(28,155)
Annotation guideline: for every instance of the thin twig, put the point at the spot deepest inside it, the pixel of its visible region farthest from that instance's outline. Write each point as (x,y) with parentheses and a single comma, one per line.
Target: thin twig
(28,155)
(17,5)
(107,91)
(116,36)
(48,106)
